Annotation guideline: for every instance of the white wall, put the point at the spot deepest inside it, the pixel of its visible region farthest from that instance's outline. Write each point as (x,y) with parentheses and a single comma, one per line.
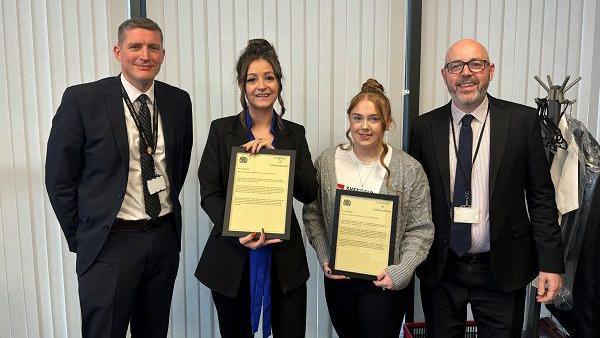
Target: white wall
(327,50)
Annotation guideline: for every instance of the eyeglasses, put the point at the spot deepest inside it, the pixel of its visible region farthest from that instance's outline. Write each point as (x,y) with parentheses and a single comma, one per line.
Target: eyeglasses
(475,66)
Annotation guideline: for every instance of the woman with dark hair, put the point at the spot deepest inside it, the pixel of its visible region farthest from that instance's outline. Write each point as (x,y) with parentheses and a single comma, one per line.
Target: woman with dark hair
(277,270)
(361,308)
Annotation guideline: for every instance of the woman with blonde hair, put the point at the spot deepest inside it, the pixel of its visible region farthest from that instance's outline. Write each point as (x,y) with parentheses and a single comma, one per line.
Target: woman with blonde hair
(362,308)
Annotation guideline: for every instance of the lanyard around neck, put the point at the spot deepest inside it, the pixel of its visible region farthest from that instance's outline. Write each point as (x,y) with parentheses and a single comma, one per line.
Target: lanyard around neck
(458,162)
(150,141)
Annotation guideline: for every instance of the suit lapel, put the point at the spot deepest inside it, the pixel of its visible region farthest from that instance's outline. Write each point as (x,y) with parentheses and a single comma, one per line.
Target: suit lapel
(237,131)
(116,116)
(284,140)
(441,136)
(167,110)
(499,126)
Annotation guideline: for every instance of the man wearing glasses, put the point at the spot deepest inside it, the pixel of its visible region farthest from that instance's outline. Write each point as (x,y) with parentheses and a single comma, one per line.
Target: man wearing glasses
(492,200)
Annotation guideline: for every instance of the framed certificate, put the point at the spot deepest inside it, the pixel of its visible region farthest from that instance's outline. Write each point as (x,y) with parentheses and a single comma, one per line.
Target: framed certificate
(364,233)
(259,193)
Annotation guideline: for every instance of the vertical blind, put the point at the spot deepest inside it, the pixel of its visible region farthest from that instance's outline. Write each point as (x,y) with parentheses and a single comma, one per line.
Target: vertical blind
(524,38)
(327,50)
(46,46)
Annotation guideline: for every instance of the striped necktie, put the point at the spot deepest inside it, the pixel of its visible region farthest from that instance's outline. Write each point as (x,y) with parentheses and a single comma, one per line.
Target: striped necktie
(151,201)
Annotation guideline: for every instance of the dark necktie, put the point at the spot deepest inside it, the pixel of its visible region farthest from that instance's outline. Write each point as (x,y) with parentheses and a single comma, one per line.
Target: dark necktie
(460,238)
(151,201)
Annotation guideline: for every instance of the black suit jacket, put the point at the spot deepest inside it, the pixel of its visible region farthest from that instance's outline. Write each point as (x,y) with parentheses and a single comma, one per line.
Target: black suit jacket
(222,263)
(87,162)
(519,182)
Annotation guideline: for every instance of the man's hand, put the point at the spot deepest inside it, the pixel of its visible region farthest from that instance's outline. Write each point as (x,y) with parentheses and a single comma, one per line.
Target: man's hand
(548,286)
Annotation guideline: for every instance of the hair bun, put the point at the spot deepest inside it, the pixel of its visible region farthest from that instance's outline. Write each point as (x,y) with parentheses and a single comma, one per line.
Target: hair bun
(259,46)
(372,85)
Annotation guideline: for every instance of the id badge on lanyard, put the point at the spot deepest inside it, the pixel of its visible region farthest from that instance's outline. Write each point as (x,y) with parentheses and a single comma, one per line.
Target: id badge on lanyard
(466,215)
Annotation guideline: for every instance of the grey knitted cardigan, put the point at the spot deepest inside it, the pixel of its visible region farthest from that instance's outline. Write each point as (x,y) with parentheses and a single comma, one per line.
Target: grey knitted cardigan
(414,233)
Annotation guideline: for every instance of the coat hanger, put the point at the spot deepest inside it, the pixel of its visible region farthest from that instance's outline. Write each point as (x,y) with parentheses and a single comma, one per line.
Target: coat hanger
(549,111)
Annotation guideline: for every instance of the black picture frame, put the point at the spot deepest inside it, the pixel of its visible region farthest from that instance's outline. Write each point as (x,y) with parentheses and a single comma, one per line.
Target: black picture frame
(289,203)
(336,217)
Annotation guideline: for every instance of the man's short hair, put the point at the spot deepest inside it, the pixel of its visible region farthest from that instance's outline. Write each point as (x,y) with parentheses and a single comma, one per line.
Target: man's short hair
(143,23)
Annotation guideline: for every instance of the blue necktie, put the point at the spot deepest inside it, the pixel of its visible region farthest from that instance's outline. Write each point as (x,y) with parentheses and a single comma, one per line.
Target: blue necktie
(460,237)
(260,289)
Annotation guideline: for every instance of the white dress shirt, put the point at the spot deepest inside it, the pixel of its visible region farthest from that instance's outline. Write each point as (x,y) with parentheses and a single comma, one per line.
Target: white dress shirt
(480,175)
(565,172)
(133,202)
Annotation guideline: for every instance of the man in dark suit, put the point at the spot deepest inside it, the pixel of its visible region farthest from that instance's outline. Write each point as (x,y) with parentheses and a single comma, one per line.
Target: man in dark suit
(492,200)
(117,158)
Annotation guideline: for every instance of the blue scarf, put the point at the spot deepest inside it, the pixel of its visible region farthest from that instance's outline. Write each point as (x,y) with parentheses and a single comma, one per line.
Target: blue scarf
(260,268)
(260,288)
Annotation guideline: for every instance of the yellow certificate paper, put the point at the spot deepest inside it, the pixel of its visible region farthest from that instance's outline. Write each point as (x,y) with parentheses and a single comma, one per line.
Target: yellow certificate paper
(259,193)
(364,233)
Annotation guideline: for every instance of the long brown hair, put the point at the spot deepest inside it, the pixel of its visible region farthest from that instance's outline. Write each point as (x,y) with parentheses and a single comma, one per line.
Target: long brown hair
(373,91)
(258,49)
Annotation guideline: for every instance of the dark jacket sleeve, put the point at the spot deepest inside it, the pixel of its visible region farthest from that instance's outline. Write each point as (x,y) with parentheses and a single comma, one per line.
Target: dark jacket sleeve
(212,191)
(188,138)
(414,148)
(541,203)
(63,164)
(305,176)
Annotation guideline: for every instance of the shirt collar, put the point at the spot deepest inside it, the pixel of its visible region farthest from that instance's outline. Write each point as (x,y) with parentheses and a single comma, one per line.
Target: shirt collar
(133,93)
(479,113)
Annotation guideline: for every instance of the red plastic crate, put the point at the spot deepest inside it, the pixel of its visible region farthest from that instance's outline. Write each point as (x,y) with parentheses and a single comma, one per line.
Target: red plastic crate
(419,330)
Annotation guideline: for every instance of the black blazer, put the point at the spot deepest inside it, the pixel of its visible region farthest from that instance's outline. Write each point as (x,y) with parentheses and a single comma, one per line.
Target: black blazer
(87,162)
(520,245)
(222,263)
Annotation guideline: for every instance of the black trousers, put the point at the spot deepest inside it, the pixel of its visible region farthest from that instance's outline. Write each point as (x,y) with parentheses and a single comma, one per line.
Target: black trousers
(131,281)
(469,280)
(288,310)
(360,309)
